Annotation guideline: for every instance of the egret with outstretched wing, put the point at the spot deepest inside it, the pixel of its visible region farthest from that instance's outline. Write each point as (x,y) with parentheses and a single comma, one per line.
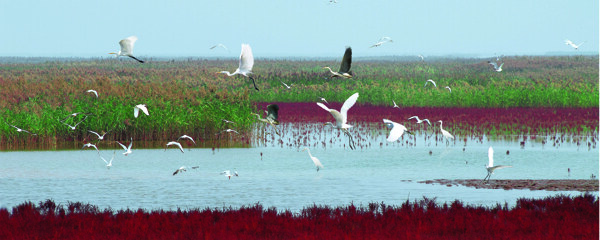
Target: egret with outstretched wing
(127,48)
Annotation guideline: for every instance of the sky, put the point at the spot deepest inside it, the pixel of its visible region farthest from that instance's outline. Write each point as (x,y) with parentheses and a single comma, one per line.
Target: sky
(293,28)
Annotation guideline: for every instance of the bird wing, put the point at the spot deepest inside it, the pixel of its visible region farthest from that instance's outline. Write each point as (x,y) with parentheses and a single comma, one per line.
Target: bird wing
(272,114)
(427,120)
(500,167)
(493,64)
(323,106)
(94,133)
(123,146)
(144,109)
(491,157)
(127,45)
(179,145)
(435,85)
(130,144)
(396,132)
(414,117)
(136,111)
(346,61)
(347,105)
(246,59)
(104,160)
(93,91)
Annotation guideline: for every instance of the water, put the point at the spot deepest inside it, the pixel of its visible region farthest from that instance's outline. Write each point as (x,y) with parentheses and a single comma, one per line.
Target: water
(285,177)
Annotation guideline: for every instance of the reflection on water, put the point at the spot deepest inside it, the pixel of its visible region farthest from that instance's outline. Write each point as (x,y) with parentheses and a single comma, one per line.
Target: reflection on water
(276,173)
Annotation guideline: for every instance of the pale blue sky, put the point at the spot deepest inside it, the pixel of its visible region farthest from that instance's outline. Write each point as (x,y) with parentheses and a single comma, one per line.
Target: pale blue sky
(296,28)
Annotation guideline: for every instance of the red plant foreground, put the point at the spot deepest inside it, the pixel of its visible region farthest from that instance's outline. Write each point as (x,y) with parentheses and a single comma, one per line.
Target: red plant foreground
(558,217)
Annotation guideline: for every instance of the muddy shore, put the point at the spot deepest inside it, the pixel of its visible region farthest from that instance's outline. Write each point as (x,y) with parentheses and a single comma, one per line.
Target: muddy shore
(581,185)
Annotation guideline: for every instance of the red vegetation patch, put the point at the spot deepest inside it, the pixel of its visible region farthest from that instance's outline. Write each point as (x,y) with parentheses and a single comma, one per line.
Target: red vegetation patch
(559,217)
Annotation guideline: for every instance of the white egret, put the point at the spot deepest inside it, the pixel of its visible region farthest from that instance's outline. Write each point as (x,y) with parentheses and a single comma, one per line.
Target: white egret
(449,89)
(314,159)
(490,167)
(245,66)
(445,133)
(496,67)
(430,81)
(127,48)
(219,45)
(181,169)
(272,116)
(344,71)
(75,126)
(395,105)
(21,130)
(341,117)
(187,137)
(397,130)
(128,148)
(93,91)
(382,41)
(419,120)
(100,137)
(287,86)
(109,163)
(88,145)
(576,47)
(137,108)
(176,144)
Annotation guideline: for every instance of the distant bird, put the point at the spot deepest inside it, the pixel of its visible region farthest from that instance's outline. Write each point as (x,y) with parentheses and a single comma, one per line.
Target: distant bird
(490,167)
(186,137)
(576,47)
(227,121)
(100,137)
(395,105)
(449,89)
(176,144)
(219,45)
(397,130)
(90,145)
(323,100)
(421,57)
(108,163)
(419,120)
(73,115)
(93,91)
(228,174)
(341,117)
(21,130)
(272,116)
(496,67)
(430,81)
(137,108)
(287,86)
(229,130)
(382,41)
(344,71)
(445,133)
(127,48)
(74,126)
(245,66)
(128,148)
(314,159)
(180,169)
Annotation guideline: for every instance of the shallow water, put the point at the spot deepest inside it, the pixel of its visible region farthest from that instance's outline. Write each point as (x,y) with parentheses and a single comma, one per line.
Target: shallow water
(277,173)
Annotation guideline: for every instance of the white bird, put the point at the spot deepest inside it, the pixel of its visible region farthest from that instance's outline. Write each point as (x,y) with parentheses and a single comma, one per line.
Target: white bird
(490,167)
(272,116)
(100,137)
(181,169)
(229,130)
(21,130)
(496,67)
(90,145)
(287,86)
(186,137)
(576,47)
(344,71)
(419,120)
(430,81)
(219,45)
(395,105)
(75,126)
(176,144)
(421,57)
(127,48)
(382,41)
(446,134)
(449,89)
(93,91)
(227,121)
(228,174)
(314,159)
(108,163)
(245,66)
(128,148)
(341,117)
(136,110)
(397,130)
(323,100)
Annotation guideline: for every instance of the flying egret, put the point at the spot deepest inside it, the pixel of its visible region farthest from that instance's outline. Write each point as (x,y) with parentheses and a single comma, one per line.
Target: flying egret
(490,167)
(323,100)
(187,137)
(419,120)
(109,163)
(128,148)
(287,86)
(314,159)
(90,145)
(496,67)
(127,48)
(344,71)
(75,126)
(245,66)
(181,169)
(93,91)
(449,89)
(272,116)
(576,47)
(21,130)
(219,45)
(430,81)
(397,130)
(136,110)
(395,105)
(100,137)
(176,144)
(341,117)
(228,174)
(381,41)
(446,134)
